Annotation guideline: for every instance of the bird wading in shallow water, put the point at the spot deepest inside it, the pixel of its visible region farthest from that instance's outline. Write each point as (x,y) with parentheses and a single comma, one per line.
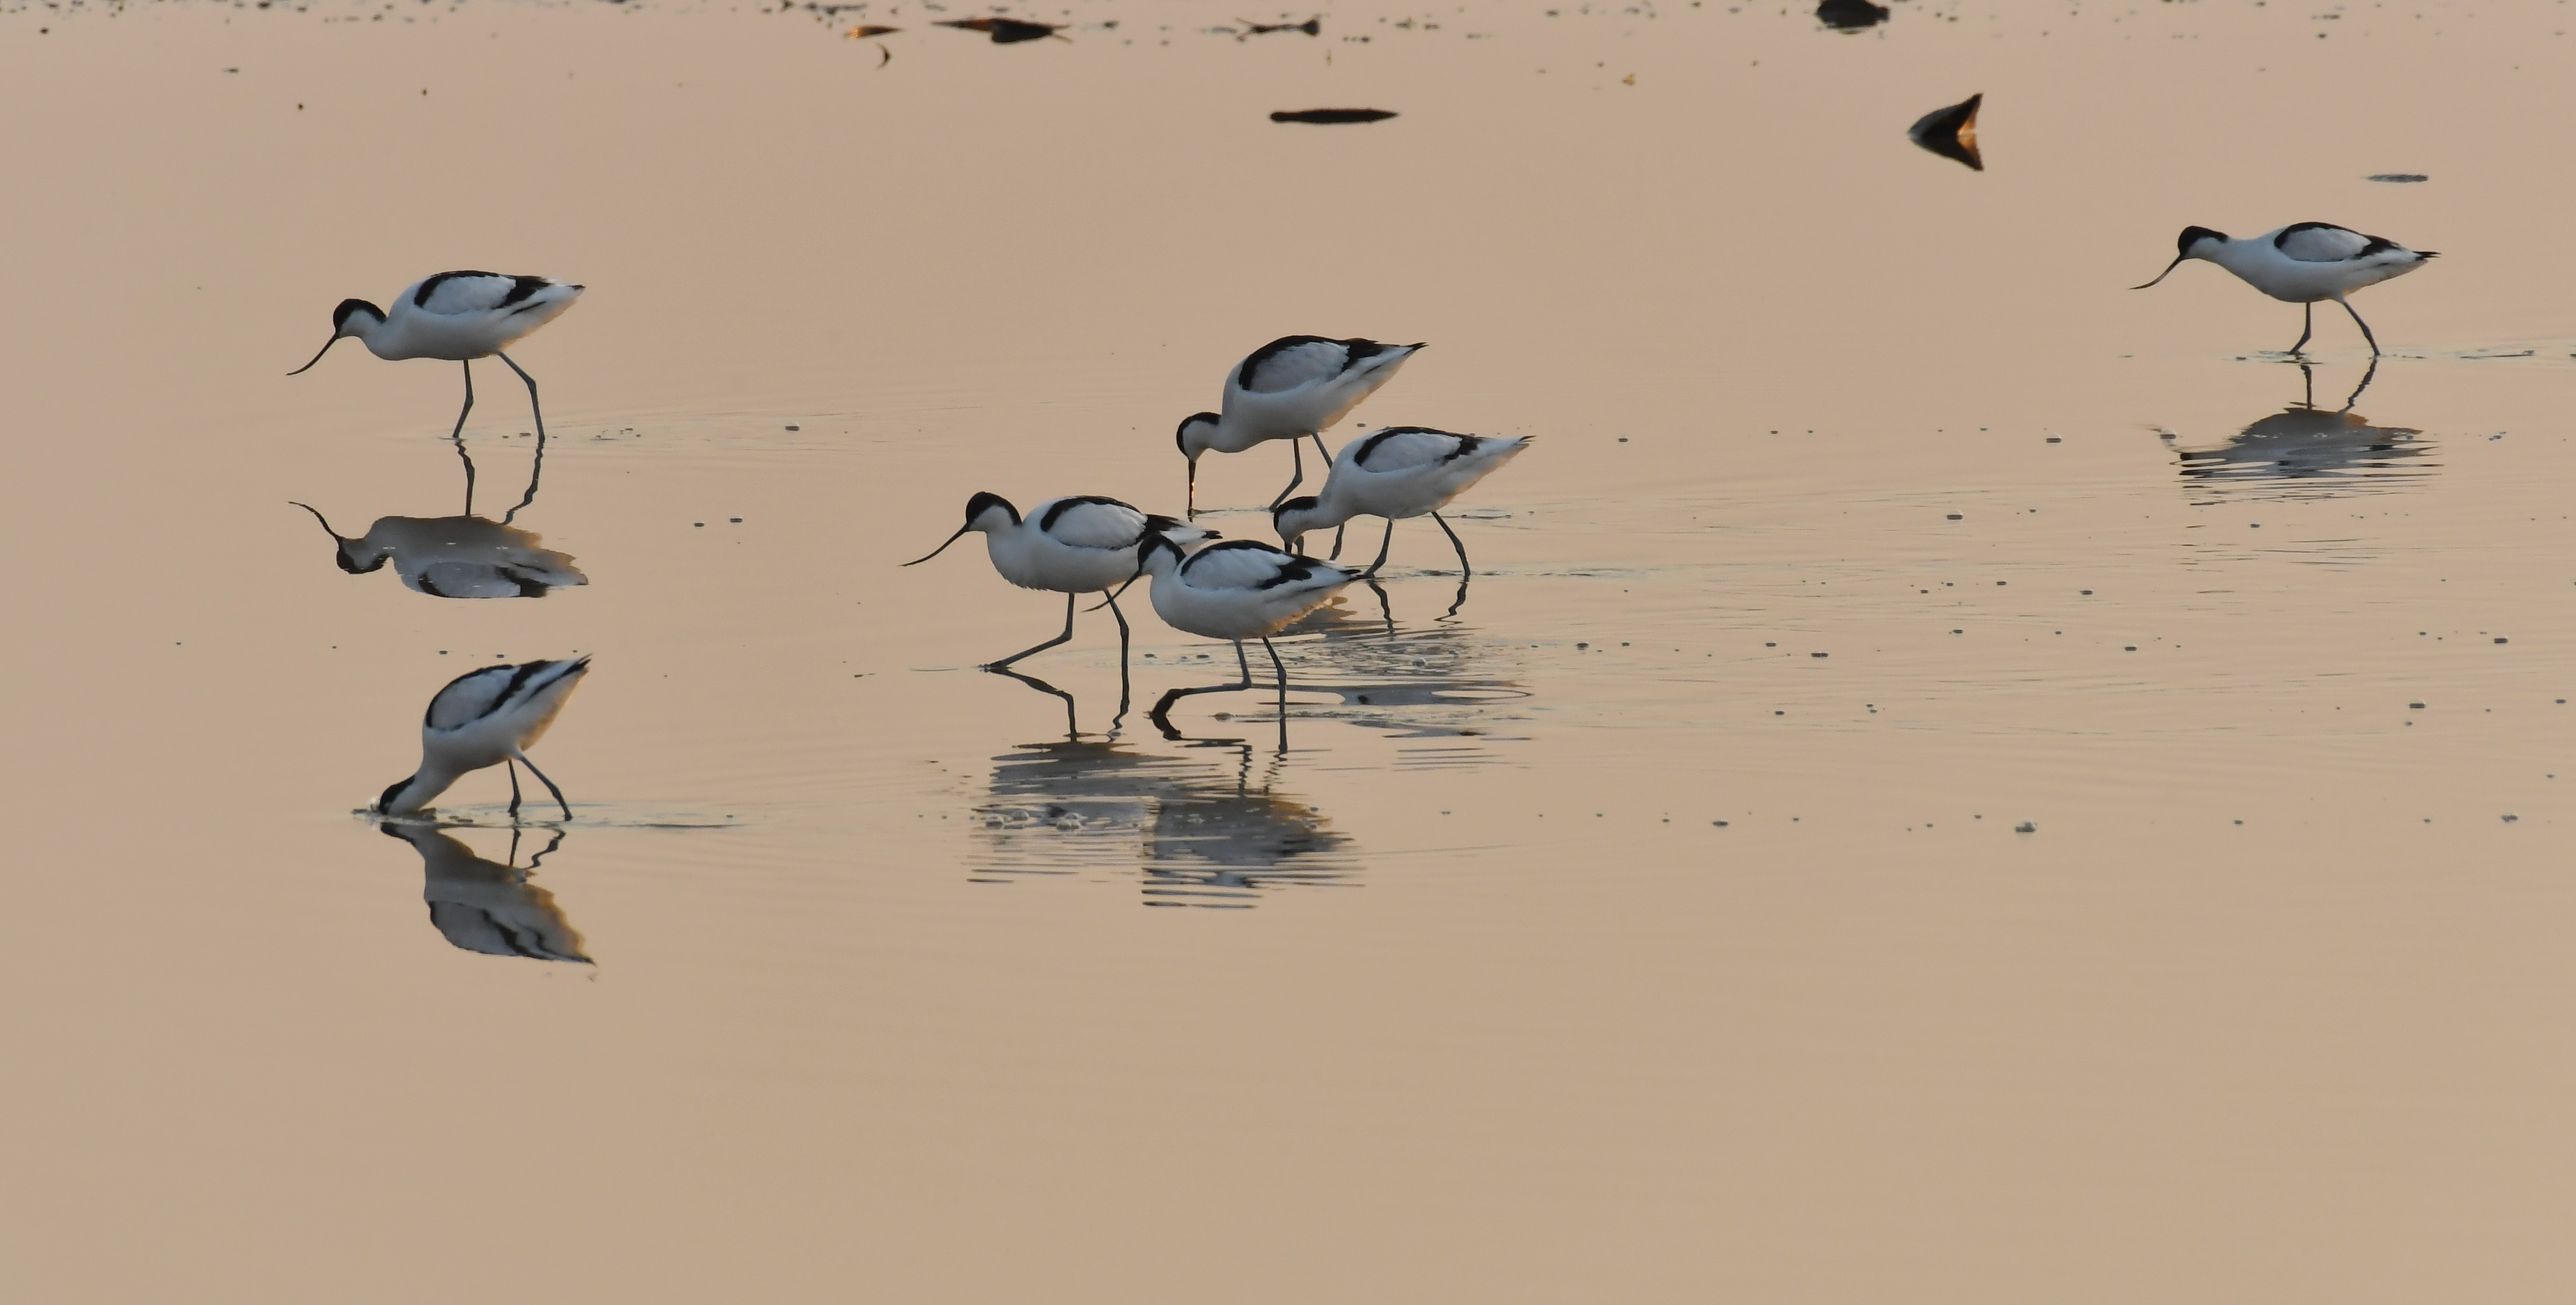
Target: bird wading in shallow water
(1072,546)
(1401,471)
(458,317)
(2301,264)
(1292,388)
(1236,590)
(482,718)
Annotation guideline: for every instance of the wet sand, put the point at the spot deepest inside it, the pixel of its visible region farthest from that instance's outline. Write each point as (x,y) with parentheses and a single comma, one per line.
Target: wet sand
(1598,940)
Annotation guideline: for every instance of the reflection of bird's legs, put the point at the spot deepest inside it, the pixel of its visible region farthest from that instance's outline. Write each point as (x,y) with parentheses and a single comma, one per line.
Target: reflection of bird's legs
(1382,546)
(1071,730)
(550,784)
(1463,572)
(1068,634)
(458,435)
(1161,715)
(1457,602)
(2308,373)
(514,790)
(536,471)
(540,857)
(2365,326)
(1297,477)
(2366,373)
(1384,608)
(2308,326)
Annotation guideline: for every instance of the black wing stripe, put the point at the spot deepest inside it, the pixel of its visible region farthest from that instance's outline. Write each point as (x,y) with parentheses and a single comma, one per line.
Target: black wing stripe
(1063,505)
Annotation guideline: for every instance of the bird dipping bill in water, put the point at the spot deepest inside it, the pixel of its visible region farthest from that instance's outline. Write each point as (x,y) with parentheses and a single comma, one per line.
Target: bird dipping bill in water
(1236,590)
(1289,389)
(457,317)
(1401,471)
(2303,263)
(1076,545)
(482,718)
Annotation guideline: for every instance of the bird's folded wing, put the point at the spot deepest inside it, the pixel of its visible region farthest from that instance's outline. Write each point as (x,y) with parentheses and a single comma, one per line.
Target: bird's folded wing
(1092,523)
(1295,360)
(1405,448)
(2319,242)
(456,293)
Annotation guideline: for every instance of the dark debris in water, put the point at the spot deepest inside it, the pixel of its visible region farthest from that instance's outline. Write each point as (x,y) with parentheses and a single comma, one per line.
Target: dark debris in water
(1311,27)
(1850,15)
(2399,177)
(1332,115)
(1951,132)
(1005,31)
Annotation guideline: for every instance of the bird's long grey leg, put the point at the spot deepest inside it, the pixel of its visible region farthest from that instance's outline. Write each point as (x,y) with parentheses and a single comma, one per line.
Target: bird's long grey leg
(550,784)
(533,406)
(1297,451)
(2365,326)
(1382,546)
(1282,669)
(1122,663)
(514,789)
(1328,472)
(458,436)
(1463,571)
(1068,634)
(2307,326)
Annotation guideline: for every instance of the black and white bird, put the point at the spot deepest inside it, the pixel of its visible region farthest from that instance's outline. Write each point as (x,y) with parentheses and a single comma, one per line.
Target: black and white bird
(457,317)
(2303,263)
(489,906)
(1236,590)
(1401,471)
(489,717)
(455,557)
(1290,389)
(1075,545)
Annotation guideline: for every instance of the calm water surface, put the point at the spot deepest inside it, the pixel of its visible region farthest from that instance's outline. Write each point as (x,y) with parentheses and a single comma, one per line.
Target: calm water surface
(1952,780)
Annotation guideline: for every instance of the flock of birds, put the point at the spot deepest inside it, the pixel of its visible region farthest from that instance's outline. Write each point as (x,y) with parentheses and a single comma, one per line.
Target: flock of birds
(1293,389)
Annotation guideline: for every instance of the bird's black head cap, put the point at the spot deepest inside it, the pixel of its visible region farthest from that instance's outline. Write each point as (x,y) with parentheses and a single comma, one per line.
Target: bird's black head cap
(350,308)
(986,499)
(2194,235)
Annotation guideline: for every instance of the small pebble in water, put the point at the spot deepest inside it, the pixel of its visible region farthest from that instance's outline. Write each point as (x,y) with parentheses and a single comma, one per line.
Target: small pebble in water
(2509,818)
(2088,591)
(2054,440)
(2499,641)
(2025,827)
(2416,706)
(1816,654)
(795,428)
(1719,823)
(737,521)
(1956,517)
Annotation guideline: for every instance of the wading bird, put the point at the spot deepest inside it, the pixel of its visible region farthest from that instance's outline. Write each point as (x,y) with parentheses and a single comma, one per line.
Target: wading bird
(1072,546)
(1402,471)
(2301,264)
(1292,388)
(489,717)
(457,317)
(1236,590)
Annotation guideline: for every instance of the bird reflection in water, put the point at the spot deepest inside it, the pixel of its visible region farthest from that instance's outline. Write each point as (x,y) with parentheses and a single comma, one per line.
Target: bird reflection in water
(2304,451)
(1204,831)
(489,906)
(464,556)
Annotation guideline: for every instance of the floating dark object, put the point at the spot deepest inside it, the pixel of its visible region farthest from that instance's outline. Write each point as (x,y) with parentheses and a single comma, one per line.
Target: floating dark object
(2399,176)
(1952,132)
(1850,15)
(1332,115)
(1311,27)
(1007,31)
(866,30)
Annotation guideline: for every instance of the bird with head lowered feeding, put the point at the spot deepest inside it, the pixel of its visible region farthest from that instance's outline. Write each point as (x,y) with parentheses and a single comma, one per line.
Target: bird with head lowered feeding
(456,317)
(489,717)
(1293,388)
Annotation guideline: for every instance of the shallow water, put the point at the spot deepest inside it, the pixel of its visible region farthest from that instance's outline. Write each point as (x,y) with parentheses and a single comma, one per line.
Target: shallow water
(1951,780)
